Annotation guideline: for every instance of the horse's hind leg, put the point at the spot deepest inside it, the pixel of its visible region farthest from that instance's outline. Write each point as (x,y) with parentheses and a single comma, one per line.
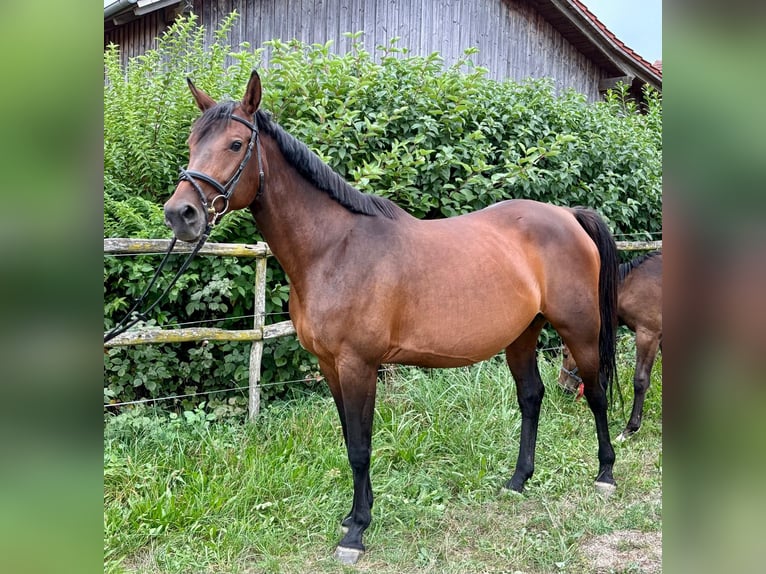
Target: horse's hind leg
(521,356)
(647,345)
(583,345)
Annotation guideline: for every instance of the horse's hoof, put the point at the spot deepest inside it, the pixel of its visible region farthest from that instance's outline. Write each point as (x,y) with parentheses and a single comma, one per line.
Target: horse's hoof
(605,489)
(348,556)
(624,435)
(509,492)
(515,484)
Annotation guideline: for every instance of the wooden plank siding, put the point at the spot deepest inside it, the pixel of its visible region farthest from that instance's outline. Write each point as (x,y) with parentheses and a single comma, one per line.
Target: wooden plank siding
(514,39)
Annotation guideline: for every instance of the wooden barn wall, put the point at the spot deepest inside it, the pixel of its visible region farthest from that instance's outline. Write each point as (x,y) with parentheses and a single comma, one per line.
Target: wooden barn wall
(138,36)
(514,41)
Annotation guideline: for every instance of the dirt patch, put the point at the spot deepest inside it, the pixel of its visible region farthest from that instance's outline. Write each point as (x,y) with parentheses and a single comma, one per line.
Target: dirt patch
(625,552)
(143,561)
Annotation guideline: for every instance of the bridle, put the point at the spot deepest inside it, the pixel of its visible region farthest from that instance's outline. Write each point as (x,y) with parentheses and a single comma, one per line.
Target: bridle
(572,374)
(224,192)
(577,378)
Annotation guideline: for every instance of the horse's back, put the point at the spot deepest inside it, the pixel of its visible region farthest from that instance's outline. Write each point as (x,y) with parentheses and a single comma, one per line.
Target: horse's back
(521,226)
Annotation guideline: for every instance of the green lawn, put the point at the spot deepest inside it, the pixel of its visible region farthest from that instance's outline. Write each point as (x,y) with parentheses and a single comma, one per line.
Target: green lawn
(185,494)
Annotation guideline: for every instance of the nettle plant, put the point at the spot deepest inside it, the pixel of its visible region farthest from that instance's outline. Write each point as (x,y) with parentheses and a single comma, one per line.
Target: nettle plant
(438,140)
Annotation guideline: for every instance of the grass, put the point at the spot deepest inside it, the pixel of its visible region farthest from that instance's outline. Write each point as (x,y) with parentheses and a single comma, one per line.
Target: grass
(187,494)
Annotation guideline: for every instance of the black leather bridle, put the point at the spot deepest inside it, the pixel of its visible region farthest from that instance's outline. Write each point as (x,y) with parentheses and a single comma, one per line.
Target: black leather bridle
(225,190)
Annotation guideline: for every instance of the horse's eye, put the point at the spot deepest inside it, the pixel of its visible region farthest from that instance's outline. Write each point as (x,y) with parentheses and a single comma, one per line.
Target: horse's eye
(236,146)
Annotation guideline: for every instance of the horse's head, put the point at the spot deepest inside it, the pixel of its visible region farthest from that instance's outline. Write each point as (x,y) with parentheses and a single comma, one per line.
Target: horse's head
(568,377)
(225,164)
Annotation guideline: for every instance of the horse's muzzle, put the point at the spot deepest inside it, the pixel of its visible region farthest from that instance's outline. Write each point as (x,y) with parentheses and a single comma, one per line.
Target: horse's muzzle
(186,219)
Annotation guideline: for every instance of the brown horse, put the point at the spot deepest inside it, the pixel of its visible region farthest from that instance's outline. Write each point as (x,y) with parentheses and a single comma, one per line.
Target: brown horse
(370,284)
(639,306)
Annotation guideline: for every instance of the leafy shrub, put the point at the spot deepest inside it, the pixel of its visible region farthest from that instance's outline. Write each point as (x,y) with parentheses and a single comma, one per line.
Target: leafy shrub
(438,141)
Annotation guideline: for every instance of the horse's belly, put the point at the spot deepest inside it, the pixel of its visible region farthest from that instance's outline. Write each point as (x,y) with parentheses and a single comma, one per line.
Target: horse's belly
(462,316)
(452,344)
(422,358)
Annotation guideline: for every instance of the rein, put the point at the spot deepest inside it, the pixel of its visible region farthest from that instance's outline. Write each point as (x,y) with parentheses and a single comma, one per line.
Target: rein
(224,191)
(126,322)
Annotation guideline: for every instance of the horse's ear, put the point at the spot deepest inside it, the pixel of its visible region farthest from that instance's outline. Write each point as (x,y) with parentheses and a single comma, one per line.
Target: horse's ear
(203,100)
(252,98)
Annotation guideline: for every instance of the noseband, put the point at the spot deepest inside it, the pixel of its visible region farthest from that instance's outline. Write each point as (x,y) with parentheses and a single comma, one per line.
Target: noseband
(572,374)
(225,190)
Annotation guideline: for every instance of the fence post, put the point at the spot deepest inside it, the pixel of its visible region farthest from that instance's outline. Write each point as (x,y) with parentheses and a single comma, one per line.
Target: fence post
(256,351)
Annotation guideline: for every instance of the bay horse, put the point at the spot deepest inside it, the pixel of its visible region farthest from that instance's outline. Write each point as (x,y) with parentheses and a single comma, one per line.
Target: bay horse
(639,307)
(371,284)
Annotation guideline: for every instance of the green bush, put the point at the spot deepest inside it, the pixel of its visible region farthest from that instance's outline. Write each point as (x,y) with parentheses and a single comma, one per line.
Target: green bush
(438,141)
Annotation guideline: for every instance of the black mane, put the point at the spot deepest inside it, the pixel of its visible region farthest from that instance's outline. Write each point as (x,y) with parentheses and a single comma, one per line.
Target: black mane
(625,268)
(305,161)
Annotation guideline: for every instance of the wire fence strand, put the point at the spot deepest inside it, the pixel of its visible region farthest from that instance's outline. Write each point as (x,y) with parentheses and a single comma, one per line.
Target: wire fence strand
(202,393)
(218,320)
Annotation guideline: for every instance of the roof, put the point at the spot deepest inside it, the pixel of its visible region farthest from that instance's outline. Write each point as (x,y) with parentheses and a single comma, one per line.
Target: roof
(124,10)
(589,35)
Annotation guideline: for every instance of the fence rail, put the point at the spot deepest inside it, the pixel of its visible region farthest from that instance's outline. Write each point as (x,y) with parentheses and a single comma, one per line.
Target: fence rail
(121,246)
(638,245)
(260,332)
(145,336)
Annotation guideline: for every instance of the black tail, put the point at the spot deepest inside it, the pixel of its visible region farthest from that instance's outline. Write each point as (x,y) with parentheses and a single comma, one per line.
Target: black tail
(598,231)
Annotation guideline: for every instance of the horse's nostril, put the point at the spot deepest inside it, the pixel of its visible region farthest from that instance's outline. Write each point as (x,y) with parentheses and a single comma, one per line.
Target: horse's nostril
(189,214)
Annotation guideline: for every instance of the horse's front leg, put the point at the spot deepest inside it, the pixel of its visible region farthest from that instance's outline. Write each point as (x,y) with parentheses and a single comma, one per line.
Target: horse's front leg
(358,386)
(333,382)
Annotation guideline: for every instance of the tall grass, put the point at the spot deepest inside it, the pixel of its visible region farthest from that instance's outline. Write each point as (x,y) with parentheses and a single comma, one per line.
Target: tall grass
(188,494)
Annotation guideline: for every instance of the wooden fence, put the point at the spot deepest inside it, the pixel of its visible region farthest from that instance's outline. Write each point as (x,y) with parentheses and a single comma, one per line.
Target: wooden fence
(260,331)
(258,334)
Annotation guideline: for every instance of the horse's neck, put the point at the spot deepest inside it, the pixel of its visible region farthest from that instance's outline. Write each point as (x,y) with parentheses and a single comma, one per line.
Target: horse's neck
(297,220)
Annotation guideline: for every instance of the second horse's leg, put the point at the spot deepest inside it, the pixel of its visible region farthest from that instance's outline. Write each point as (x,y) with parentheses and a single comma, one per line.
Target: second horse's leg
(647,345)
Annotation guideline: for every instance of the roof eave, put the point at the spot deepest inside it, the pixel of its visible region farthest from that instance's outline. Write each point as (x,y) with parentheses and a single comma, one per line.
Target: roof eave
(116,7)
(621,60)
